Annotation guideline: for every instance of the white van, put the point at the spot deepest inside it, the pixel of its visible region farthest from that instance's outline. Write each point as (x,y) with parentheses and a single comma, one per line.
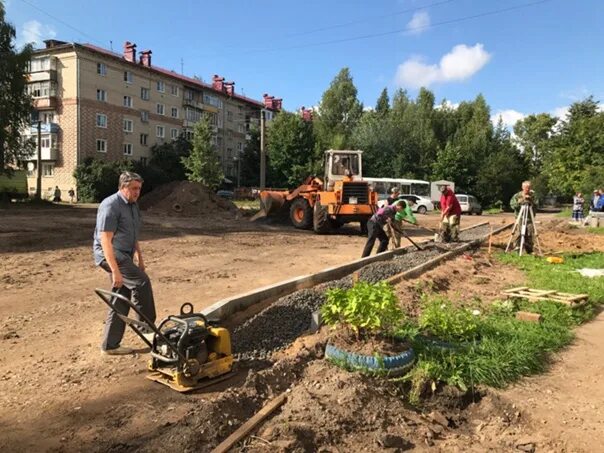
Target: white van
(469,204)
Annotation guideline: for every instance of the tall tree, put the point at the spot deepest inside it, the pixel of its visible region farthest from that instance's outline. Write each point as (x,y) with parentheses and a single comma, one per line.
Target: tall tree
(382,106)
(533,135)
(15,103)
(250,160)
(203,165)
(290,143)
(339,112)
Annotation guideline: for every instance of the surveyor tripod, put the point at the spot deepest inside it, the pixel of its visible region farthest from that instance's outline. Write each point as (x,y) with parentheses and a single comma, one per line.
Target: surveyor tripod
(527,231)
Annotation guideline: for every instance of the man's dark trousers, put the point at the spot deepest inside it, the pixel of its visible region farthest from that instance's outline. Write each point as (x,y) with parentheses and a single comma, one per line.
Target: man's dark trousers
(136,287)
(375,231)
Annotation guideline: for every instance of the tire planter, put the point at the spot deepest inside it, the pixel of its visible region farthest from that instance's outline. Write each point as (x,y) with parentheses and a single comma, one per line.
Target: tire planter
(392,365)
(435,343)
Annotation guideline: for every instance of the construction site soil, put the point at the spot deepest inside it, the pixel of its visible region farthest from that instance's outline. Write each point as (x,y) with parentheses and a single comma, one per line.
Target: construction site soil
(58,394)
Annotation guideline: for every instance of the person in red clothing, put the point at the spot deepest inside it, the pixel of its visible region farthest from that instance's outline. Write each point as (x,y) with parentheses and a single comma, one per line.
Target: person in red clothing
(450,214)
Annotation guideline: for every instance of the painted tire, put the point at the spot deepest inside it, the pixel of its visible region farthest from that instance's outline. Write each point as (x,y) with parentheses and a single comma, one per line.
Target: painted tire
(440,344)
(391,364)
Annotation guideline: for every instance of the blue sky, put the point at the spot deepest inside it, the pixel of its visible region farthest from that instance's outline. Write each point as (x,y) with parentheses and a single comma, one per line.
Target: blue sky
(537,58)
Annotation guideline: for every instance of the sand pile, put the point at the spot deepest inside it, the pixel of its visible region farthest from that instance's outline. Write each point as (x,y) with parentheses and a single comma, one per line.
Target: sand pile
(184,198)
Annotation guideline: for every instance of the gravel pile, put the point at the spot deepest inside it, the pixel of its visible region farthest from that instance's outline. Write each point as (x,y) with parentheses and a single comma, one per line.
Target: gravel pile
(277,326)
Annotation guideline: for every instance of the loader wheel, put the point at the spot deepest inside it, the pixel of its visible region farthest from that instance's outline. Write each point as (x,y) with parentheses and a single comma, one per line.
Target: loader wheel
(321,220)
(300,213)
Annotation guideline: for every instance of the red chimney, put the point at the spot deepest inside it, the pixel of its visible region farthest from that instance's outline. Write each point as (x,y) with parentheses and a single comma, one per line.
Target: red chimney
(145,58)
(130,51)
(218,82)
(268,101)
(306,114)
(277,104)
(229,88)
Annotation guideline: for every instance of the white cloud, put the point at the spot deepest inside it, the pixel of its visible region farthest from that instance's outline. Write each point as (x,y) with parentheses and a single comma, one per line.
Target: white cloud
(418,23)
(509,117)
(560,112)
(458,65)
(35,32)
(448,104)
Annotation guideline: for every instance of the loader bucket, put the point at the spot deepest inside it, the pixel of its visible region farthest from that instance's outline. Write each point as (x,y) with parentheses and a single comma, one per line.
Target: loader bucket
(270,203)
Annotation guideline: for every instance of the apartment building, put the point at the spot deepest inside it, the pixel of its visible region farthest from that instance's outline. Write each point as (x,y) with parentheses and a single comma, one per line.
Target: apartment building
(96,103)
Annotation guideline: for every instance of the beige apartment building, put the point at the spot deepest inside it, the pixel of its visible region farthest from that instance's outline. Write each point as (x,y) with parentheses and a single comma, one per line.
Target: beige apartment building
(96,103)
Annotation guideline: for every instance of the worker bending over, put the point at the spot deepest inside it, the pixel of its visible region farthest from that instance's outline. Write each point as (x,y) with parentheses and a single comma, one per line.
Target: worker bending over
(375,228)
(404,215)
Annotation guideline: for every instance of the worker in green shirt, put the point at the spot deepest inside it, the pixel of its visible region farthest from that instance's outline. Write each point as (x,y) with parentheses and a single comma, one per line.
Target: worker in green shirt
(404,215)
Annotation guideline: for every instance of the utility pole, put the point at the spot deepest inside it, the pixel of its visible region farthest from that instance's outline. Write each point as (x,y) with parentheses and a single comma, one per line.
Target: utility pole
(262,152)
(39,163)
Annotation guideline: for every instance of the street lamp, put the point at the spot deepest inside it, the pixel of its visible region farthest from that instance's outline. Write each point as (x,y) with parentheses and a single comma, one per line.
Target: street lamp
(35,118)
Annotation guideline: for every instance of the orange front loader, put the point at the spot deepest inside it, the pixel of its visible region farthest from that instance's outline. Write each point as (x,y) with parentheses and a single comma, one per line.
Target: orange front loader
(341,197)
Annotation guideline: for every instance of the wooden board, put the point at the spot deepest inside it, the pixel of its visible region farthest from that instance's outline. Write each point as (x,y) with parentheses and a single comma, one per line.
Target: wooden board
(248,426)
(523,292)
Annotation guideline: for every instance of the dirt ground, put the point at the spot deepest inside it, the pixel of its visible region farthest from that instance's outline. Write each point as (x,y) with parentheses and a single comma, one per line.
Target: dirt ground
(57,393)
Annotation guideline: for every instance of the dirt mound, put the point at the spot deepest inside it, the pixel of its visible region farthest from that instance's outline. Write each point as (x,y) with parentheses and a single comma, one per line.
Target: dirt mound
(184,198)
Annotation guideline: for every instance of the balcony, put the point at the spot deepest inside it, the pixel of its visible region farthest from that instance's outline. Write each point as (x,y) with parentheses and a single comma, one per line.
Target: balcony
(45,154)
(44,94)
(42,76)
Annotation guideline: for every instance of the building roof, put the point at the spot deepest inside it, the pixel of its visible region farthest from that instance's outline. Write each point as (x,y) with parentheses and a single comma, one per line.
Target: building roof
(188,80)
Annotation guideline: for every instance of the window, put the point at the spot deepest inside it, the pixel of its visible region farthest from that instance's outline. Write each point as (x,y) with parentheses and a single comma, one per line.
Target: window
(48,169)
(229,153)
(229,115)
(189,135)
(174,134)
(143,161)
(46,142)
(101,69)
(144,116)
(160,86)
(159,131)
(212,100)
(241,129)
(101,120)
(127,101)
(127,149)
(101,95)
(174,90)
(127,77)
(160,109)
(128,125)
(145,94)
(174,112)
(48,117)
(41,64)
(101,145)
(240,146)
(143,139)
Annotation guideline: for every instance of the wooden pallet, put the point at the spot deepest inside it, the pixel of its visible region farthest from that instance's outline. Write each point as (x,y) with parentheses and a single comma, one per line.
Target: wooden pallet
(524,292)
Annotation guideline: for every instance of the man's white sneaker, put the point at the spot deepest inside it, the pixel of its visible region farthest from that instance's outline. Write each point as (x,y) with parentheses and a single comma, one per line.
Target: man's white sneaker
(120,350)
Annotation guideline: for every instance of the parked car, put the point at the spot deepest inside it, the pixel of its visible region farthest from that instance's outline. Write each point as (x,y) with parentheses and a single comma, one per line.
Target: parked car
(469,204)
(421,205)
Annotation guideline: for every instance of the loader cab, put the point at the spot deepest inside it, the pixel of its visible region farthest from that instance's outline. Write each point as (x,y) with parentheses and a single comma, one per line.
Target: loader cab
(342,166)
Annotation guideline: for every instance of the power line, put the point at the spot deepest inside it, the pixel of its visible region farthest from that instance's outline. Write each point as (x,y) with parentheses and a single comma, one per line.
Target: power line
(387,33)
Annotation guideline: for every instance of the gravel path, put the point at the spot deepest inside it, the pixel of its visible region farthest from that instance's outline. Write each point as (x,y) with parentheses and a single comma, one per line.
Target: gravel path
(277,326)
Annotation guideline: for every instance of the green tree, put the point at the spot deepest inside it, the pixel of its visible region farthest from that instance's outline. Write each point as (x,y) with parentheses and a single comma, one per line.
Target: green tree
(576,148)
(533,135)
(203,165)
(339,113)
(250,160)
(97,179)
(382,106)
(15,103)
(168,157)
(290,144)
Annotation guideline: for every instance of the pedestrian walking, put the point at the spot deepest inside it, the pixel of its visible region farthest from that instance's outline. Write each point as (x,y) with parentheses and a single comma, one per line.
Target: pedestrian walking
(71,194)
(56,195)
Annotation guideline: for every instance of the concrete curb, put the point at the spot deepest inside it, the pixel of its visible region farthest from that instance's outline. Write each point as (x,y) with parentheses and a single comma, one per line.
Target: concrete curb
(225,307)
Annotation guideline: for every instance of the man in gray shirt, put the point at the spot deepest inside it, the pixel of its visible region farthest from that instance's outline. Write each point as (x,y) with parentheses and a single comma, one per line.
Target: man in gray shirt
(115,246)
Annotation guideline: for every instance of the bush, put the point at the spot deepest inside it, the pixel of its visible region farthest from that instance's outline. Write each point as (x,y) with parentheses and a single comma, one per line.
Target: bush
(441,319)
(98,179)
(365,308)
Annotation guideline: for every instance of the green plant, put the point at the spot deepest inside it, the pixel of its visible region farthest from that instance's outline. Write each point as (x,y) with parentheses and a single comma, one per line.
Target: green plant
(365,308)
(441,319)
(595,230)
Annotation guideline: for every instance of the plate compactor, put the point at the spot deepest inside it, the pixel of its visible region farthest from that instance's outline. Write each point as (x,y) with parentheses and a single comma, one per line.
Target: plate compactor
(188,352)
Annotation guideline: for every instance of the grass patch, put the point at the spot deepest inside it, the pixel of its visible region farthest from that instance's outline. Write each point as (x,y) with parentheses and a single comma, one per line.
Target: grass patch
(493,211)
(565,213)
(561,277)
(595,230)
(508,350)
